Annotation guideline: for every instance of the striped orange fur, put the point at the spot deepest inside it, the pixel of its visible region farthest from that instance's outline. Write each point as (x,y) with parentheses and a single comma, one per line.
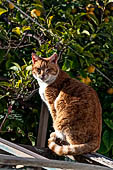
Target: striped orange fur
(74,107)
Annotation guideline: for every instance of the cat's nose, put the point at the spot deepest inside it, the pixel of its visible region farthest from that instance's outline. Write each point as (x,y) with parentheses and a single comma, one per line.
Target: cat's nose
(42,76)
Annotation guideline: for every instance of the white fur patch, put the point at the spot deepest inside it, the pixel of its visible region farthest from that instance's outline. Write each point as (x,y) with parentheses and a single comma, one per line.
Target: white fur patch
(60,135)
(43,84)
(57,148)
(51,145)
(41,92)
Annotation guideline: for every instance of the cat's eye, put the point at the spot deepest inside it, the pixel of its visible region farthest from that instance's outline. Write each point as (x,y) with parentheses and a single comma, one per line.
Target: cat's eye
(48,70)
(38,70)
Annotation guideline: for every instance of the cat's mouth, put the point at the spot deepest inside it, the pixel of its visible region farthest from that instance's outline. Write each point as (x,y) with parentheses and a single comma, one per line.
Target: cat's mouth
(48,80)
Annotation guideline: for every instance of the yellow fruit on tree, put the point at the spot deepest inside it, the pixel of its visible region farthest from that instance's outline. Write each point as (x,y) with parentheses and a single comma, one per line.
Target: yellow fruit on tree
(35,13)
(90,12)
(90,7)
(86,80)
(11,6)
(110,91)
(106,19)
(111,8)
(91,69)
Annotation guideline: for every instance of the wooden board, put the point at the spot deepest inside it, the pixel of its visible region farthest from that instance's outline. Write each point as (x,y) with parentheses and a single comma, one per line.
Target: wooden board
(43,124)
(18,150)
(4,159)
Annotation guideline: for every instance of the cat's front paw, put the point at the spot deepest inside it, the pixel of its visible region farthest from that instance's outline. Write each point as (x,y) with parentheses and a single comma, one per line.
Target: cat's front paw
(53,134)
(52,138)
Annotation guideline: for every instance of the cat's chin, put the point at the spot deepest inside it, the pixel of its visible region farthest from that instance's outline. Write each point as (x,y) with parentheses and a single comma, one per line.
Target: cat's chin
(48,81)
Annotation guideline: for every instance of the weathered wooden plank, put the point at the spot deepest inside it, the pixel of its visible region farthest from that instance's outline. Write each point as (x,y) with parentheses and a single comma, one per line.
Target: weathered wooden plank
(42,130)
(12,160)
(98,158)
(43,124)
(17,150)
(94,158)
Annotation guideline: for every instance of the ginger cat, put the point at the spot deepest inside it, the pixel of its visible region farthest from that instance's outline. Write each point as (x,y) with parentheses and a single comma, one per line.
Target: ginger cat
(74,107)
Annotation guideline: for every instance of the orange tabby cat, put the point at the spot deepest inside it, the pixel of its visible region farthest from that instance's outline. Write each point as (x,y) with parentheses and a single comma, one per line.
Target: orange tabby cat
(74,107)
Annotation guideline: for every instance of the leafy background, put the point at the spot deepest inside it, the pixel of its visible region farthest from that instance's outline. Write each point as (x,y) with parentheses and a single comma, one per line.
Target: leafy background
(81,32)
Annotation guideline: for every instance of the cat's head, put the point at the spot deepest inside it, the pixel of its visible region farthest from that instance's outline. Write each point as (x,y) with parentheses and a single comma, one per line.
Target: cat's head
(45,69)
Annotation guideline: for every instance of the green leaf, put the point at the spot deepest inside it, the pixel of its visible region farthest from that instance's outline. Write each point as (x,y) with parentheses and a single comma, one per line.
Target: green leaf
(16,67)
(3,83)
(49,21)
(85,32)
(102,148)
(108,139)
(2,96)
(25,28)
(17,30)
(68,65)
(109,1)
(18,83)
(29,68)
(78,48)
(2,11)
(80,15)
(109,123)
(88,54)
(94,19)
(31,138)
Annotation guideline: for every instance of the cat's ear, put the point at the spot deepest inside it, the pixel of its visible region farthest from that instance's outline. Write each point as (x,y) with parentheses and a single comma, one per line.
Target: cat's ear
(35,58)
(54,58)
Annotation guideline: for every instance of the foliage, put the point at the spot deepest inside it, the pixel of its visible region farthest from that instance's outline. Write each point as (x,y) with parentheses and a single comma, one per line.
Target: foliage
(81,32)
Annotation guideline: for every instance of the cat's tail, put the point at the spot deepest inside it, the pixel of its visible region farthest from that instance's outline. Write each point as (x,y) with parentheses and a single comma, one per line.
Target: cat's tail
(91,146)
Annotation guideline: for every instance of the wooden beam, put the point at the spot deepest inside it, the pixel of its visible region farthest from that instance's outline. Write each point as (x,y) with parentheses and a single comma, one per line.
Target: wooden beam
(12,160)
(94,158)
(97,158)
(18,150)
(43,124)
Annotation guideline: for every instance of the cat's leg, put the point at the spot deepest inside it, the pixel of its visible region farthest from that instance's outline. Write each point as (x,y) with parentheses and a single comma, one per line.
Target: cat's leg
(52,111)
(57,136)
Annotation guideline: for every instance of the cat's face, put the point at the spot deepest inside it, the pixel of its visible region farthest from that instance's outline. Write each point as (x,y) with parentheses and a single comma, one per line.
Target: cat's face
(45,69)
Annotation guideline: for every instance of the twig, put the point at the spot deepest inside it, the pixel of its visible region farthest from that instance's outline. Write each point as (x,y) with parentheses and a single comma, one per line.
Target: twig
(49,12)
(21,41)
(31,95)
(103,75)
(22,46)
(35,37)
(6,116)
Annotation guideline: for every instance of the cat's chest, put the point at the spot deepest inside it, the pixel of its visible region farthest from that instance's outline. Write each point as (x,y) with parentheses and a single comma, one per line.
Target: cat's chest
(47,94)
(42,91)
